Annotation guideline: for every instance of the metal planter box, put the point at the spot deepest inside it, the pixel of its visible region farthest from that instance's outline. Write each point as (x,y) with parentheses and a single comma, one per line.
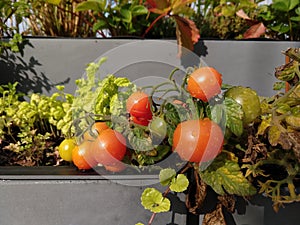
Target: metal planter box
(63,196)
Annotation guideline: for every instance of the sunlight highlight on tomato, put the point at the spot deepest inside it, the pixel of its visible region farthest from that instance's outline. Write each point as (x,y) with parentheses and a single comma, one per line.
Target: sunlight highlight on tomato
(198,140)
(82,156)
(204,83)
(109,147)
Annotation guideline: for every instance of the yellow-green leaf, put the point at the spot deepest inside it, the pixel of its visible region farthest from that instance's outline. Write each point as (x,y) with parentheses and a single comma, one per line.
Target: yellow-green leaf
(54,2)
(153,200)
(225,176)
(274,135)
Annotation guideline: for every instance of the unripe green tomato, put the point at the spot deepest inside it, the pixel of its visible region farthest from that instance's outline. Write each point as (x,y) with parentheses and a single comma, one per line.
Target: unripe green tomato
(158,127)
(65,149)
(249,101)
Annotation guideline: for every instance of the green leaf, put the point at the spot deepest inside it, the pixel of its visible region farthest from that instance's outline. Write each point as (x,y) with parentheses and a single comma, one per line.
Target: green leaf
(95,5)
(153,200)
(180,183)
(122,82)
(217,113)
(234,116)
(54,2)
(283,108)
(293,4)
(278,86)
(126,15)
(166,176)
(225,176)
(295,18)
(281,28)
(281,5)
(99,25)
(228,10)
(138,10)
(297,11)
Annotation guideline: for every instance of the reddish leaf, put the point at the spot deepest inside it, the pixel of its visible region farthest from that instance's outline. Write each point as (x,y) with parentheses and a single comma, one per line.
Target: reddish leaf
(186,32)
(158,6)
(242,14)
(255,31)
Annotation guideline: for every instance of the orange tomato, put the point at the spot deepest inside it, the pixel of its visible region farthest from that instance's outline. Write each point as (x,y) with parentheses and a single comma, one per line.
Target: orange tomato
(198,140)
(204,83)
(82,156)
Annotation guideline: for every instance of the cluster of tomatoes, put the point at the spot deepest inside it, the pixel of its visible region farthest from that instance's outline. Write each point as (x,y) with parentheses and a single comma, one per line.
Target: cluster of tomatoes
(100,145)
(197,140)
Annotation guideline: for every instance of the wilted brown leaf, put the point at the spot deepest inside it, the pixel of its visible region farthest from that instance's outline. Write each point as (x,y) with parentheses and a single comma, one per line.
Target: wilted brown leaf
(293,53)
(196,194)
(295,139)
(287,71)
(255,31)
(214,218)
(256,149)
(228,201)
(187,33)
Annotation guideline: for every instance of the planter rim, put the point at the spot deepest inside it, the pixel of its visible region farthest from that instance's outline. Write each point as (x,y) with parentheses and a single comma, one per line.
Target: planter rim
(66,173)
(151,39)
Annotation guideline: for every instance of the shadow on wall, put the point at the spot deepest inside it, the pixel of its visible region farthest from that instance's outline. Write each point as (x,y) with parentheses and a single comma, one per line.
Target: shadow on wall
(14,68)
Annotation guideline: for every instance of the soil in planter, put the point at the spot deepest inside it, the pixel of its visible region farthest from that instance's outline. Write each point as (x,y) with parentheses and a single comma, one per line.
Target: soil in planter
(14,154)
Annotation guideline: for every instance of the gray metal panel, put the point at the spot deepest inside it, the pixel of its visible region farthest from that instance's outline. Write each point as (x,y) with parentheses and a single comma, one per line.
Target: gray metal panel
(47,62)
(73,203)
(247,63)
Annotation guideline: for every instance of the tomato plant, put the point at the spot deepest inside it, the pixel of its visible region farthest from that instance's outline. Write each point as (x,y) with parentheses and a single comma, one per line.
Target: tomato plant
(65,149)
(82,156)
(92,133)
(204,83)
(138,106)
(198,140)
(109,147)
(249,101)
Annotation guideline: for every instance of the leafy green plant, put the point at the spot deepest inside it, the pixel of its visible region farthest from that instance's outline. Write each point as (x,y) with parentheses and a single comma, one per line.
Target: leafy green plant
(57,18)
(30,129)
(121,18)
(219,18)
(117,18)
(11,17)
(282,18)
(260,157)
(157,202)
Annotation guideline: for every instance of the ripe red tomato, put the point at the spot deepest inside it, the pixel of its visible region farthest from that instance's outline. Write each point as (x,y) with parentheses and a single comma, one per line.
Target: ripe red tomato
(82,156)
(140,121)
(95,130)
(198,140)
(139,107)
(109,147)
(204,83)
